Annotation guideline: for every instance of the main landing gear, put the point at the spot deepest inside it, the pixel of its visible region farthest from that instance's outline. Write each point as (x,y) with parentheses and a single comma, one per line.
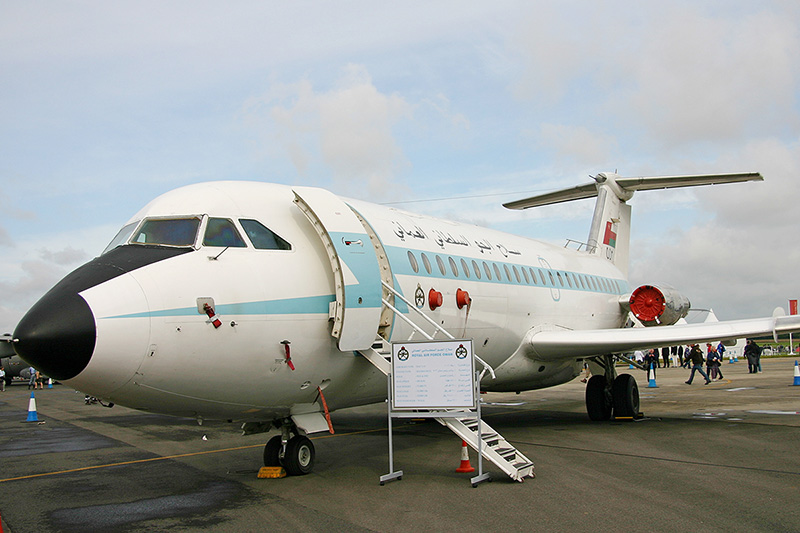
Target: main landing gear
(607,393)
(294,453)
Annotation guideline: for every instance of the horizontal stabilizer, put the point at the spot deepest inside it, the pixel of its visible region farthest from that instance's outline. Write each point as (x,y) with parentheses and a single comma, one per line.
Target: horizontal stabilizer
(565,195)
(626,186)
(675,182)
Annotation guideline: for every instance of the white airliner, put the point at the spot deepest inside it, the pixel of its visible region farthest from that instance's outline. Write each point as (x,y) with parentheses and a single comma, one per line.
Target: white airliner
(262,303)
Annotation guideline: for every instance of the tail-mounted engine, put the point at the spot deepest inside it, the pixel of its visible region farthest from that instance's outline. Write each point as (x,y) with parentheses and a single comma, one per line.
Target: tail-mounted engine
(656,305)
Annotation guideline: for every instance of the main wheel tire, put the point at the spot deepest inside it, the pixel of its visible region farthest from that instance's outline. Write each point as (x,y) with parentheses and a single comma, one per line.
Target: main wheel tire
(299,457)
(272,452)
(625,394)
(598,399)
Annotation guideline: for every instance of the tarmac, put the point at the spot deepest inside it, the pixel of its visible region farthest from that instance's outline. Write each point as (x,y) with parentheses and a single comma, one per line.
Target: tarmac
(717,457)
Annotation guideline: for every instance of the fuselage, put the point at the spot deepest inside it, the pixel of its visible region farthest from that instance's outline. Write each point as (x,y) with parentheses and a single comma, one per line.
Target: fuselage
(140,319)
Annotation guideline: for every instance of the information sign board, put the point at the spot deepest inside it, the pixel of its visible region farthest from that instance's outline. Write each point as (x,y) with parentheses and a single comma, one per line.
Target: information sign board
(433,375)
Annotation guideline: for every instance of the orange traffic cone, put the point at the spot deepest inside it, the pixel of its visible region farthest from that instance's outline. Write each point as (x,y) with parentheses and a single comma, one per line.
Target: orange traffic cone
(465,466)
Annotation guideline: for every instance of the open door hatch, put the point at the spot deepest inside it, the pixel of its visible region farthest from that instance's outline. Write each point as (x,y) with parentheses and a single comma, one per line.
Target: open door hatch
(357,279)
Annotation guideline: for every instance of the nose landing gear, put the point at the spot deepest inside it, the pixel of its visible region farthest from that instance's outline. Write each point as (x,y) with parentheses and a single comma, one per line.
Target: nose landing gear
(295,454)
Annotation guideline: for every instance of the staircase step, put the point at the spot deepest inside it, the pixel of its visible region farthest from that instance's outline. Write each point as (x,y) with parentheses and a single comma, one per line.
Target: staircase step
(507,453)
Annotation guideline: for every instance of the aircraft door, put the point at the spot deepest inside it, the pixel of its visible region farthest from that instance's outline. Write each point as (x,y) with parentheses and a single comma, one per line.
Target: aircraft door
(356,312)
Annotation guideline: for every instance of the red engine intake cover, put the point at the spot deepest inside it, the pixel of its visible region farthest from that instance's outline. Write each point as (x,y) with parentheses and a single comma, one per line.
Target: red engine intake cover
(647,303)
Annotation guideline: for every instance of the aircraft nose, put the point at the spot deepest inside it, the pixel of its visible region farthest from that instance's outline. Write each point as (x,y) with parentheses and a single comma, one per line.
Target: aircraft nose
(57,336)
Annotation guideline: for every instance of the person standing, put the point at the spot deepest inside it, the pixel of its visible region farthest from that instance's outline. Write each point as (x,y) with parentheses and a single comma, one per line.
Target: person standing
(696,358)
(753,353)
(2,379)
(665,356)
(710,369)
(586,372)
(650,362)
(32,380)
(715,360)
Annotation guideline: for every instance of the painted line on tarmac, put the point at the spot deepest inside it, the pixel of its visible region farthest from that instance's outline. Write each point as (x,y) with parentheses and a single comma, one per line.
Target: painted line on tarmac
(768,412)
(179,456)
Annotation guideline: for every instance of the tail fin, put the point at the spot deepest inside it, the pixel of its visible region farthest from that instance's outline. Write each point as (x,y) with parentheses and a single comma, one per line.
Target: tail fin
(609,234)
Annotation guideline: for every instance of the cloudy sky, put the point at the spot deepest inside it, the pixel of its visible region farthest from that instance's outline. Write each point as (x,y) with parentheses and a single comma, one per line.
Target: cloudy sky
(105,105)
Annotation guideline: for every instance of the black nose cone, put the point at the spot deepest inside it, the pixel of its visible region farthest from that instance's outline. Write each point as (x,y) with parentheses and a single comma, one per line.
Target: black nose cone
(57,336)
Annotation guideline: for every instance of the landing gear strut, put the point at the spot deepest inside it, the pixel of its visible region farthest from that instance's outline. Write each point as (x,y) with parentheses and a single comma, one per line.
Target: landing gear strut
(295,454)
(609,392)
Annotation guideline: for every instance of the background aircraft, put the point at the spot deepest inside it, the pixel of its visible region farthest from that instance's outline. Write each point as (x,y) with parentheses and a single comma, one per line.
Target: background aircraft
(298,291)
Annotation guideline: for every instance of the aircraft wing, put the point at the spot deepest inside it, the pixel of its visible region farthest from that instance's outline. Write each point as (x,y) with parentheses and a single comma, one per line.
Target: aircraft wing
(569,344)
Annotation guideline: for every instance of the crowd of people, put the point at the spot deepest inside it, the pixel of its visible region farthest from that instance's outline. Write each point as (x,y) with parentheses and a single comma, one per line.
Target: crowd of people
(693,358)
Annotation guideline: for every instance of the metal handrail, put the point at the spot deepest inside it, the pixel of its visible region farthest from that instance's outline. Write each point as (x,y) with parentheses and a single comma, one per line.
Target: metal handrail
(410,305)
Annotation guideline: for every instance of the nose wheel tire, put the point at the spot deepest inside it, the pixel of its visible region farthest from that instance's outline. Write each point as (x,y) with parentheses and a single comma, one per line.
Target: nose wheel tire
(299,457)
(272,452)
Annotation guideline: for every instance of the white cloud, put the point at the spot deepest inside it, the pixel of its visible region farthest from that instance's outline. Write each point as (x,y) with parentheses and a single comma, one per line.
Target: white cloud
(347,129)
(739,258)
(682,72)
(698,77)
(578,144)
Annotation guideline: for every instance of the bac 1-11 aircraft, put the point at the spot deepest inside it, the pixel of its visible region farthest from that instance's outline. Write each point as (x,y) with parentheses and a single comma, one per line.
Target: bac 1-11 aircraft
(262,303)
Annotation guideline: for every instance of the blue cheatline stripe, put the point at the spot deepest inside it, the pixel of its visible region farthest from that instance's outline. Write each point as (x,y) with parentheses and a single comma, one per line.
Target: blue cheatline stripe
(398,258)
(309,305)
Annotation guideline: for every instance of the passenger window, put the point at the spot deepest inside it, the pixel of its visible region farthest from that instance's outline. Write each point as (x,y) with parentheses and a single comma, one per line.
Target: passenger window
(413,261)
(221,232)
(525,274)
(262,237)
(426,263)
(497,272)
(477,269)
(533,276)
(465,268)
(168,231)
(487,270)
(508,272)
(453,266)
(516,274)
(441,265)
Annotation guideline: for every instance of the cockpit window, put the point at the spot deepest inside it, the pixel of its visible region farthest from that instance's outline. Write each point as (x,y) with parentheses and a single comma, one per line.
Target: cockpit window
(222,232)
(263,238)
(168,231)
(122,237)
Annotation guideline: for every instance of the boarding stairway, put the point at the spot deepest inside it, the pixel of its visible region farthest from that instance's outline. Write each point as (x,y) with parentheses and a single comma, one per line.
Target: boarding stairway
(470,428)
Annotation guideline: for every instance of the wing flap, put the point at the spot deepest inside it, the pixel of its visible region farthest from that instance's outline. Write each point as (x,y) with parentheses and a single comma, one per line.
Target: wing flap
(571,344)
